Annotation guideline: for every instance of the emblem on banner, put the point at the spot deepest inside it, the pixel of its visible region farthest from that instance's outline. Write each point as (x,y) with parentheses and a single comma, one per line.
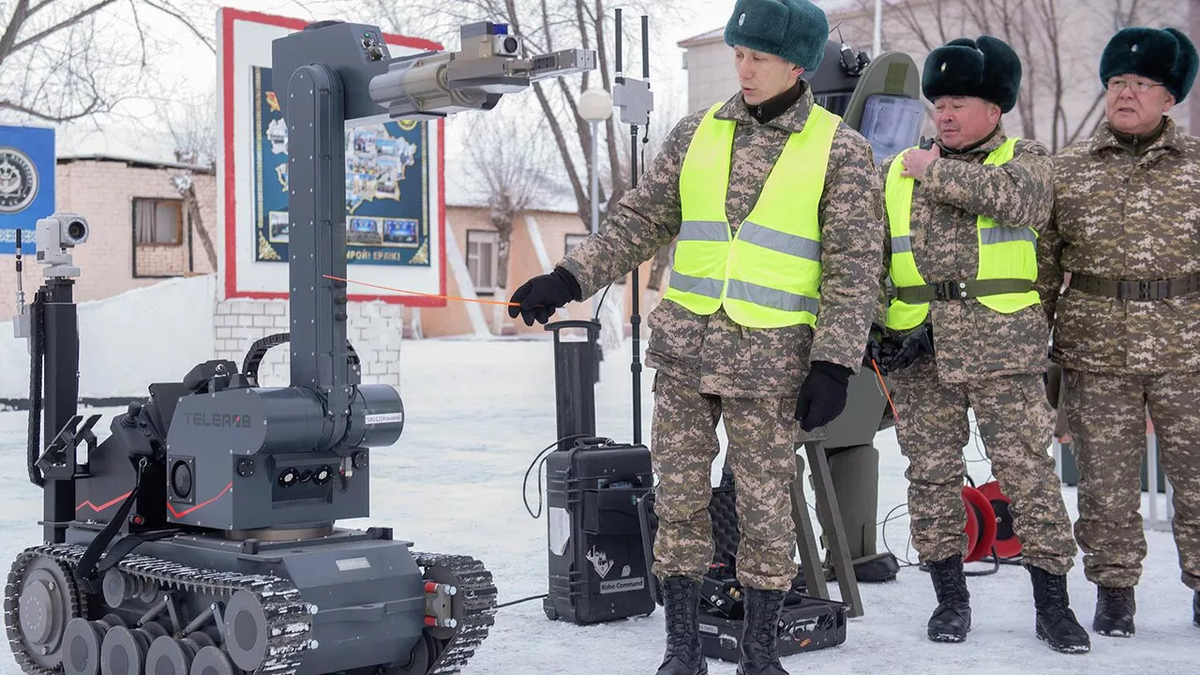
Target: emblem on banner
(18,180)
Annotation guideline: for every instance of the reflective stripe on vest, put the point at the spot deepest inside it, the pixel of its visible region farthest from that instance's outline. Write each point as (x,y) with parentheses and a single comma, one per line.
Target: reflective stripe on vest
(769,273)
(1004,252)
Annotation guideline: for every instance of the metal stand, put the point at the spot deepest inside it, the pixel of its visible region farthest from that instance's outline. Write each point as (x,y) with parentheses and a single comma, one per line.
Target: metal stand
(828,510)
(635,101)
(60,328)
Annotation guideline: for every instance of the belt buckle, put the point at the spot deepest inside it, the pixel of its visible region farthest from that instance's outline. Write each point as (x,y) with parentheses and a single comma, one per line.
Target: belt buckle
(1144,290)
(944,290)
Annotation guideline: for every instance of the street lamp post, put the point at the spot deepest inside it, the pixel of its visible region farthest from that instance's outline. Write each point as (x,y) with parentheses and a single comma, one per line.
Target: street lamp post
(878,37)
(595,106)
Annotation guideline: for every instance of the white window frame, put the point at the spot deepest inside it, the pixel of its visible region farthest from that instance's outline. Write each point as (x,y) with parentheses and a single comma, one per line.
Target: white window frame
(485,243)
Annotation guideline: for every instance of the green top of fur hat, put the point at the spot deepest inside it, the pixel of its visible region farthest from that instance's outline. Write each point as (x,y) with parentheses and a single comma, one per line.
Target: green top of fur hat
(1166,56)
(794,30)
(985,68)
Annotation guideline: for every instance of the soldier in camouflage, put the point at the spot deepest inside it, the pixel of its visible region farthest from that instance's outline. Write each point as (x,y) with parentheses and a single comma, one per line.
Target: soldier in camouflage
(964,329)
(1127,231)
(743,334)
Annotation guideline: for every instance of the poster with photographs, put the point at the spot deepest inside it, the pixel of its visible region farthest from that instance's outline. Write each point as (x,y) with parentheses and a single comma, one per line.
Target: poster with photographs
(387,204)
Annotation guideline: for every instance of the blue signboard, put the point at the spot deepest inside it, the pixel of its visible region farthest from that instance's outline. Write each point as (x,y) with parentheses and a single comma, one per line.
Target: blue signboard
(26,184)
(387,203)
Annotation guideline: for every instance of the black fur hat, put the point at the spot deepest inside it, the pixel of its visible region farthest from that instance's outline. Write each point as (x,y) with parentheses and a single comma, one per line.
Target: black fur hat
(985,68)
(1166,56)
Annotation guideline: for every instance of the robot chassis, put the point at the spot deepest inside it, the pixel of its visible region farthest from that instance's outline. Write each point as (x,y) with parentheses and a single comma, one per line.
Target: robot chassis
(199,538)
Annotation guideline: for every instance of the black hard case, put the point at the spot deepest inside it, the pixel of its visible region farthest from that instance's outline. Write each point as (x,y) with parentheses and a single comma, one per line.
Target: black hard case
(599,572)
(807,624)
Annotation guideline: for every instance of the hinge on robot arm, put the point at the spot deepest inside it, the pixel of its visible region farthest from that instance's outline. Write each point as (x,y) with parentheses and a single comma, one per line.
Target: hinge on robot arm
(59,460)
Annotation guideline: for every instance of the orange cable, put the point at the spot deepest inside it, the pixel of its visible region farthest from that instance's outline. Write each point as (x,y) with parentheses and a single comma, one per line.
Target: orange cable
(883,385)
(428,295)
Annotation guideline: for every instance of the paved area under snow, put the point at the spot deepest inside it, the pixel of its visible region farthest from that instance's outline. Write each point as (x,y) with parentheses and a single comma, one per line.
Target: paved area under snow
(478,412)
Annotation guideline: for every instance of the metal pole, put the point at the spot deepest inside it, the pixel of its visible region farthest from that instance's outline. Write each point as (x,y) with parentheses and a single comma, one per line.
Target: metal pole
(878,29)
(595,124)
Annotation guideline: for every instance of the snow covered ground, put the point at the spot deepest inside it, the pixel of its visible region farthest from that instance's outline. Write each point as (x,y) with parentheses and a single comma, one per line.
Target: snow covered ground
(478,412)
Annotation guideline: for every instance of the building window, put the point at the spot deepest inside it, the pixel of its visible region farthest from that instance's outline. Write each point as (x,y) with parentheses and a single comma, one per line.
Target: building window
(158,222)
(573,240)
(483,248)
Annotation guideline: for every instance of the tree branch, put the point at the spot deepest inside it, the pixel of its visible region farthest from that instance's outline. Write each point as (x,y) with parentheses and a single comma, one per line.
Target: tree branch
(186,22)
(20,14)
(57,27)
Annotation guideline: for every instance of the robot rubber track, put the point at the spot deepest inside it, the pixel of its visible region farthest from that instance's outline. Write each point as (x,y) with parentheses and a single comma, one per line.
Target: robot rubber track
(289,619)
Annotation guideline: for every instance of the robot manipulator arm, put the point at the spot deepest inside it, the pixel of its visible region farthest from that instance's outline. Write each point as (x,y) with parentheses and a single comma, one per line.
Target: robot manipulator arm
(427,85)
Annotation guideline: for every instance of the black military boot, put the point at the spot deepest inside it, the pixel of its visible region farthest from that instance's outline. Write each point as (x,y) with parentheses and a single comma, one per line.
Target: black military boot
(1196,609)
(951,619)
(760,654)
(1114,611)
(681,599)
(1056,623)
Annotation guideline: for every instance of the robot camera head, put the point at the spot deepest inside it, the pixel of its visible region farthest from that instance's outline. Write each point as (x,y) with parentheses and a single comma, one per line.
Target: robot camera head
(55,234)
(62,230)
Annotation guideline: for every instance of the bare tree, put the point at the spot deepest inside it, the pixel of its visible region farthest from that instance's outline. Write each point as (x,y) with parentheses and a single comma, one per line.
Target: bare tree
(510,163)
(1060,100)
(66,60)
(546,26)
(193,129)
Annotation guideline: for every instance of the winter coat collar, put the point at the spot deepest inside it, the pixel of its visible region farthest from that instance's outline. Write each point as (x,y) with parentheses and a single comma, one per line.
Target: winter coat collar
(791,120)
(1170,139)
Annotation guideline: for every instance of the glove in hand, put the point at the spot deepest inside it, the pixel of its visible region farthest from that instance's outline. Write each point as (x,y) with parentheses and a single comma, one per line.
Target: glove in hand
(914,345)
(822,395)
(873,356)
(542,295)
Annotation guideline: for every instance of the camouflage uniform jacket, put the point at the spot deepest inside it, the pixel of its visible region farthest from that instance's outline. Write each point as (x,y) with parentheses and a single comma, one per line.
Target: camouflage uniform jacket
(972,342)
(1118,216)
(712,352)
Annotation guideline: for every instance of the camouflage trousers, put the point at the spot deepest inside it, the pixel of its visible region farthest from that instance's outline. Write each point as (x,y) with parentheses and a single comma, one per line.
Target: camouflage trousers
(1015,425)
(1107,418)
(761,454)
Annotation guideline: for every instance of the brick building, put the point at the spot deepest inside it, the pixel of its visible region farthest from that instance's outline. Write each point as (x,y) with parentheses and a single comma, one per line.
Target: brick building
(142,232)
(140,229)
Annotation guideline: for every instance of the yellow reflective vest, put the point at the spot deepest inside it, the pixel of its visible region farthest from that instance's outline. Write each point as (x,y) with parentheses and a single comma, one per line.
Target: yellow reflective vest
(769,273)
(1006,254)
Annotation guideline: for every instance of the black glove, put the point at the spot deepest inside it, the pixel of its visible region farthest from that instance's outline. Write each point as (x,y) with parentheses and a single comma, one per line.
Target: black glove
(1053,378)
(822,395)
(541,295)
(874,353)
(912,347)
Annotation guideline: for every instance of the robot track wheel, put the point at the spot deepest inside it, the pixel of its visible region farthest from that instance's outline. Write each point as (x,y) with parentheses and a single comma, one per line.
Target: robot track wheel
(40,600)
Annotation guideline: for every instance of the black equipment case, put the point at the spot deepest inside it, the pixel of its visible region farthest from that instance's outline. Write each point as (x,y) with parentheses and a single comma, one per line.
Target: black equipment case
(807,624)
(597,569)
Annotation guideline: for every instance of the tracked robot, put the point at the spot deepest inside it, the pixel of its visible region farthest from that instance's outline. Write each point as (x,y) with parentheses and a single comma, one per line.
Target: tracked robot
(199,538)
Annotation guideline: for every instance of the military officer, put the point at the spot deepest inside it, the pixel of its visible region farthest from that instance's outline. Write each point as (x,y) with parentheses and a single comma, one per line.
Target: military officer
(1127,229)
(765,317)
(965,330)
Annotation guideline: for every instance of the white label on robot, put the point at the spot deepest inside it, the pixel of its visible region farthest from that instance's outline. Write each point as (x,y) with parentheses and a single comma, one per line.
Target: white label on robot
(560,529)
(347,564)
(710,629)
(385,418)
(622,585)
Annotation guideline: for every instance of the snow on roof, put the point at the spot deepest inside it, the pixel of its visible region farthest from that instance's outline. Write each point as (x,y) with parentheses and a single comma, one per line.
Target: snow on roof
(714,34)
(463,190)
(102,145)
